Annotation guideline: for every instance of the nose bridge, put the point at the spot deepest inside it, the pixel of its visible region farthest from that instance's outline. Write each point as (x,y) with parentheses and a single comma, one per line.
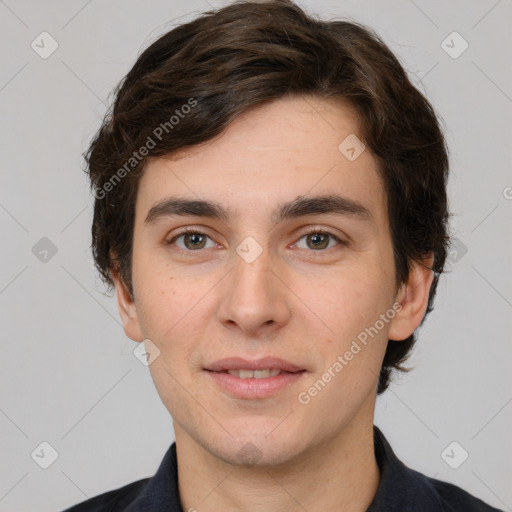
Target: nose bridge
(253,296)
(250,273)
(251,261)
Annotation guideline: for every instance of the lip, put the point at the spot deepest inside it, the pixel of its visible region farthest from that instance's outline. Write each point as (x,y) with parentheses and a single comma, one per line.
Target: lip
(253,388)
(235,363)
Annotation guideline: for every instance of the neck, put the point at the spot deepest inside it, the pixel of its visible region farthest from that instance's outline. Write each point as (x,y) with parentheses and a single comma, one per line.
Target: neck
(338,474)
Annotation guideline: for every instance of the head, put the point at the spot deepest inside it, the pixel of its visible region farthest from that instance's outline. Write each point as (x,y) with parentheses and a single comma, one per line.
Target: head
(250,117)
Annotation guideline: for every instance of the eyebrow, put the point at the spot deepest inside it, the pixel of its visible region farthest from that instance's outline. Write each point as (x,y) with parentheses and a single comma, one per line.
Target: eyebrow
(299,207)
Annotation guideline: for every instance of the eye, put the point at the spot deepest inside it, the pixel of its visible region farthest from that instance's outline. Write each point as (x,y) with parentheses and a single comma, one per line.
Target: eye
(193,240)
(319,240)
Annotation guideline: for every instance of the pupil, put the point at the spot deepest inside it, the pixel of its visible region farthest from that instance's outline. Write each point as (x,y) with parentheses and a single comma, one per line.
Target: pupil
(195,240)
(317,237)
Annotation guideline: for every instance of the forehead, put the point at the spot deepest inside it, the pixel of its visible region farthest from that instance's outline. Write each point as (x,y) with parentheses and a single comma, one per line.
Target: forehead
(290,147)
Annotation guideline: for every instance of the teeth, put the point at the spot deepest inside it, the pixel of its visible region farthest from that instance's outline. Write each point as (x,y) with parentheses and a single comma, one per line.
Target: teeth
(256,374)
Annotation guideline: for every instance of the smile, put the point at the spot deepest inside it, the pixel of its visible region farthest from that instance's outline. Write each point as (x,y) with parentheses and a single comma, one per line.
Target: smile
(254,384)
(254,374)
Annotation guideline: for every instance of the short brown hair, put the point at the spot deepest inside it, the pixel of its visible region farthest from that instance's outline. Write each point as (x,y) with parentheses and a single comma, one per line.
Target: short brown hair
(242,56)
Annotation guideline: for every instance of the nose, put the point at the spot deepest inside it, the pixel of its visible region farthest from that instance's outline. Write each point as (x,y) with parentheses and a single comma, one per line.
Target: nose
(254,296)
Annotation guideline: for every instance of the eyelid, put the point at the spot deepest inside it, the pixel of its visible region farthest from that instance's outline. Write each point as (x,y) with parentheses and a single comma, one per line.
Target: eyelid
(186,230)
(325,230)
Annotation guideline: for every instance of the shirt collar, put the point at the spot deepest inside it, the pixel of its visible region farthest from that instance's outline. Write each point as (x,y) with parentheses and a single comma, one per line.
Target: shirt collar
(400,488)
(162,491)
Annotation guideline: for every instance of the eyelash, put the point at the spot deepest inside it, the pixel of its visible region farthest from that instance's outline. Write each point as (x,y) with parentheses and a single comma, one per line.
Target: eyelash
(195,231)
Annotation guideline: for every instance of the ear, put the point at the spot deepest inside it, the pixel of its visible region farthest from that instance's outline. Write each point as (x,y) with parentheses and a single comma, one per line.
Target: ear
(127,309)
(413,298)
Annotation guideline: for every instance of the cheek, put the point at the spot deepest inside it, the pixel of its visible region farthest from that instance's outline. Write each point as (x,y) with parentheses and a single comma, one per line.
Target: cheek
(167,304)
(347,301)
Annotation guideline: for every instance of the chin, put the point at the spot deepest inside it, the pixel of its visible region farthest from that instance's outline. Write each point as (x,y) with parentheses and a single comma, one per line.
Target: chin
(255,447)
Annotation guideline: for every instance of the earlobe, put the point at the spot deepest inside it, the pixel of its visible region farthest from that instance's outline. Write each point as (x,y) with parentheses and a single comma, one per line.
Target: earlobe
(127,309)
(413,298)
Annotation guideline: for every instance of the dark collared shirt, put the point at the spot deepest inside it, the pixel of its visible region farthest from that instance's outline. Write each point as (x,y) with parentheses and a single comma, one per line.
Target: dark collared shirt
(400,489)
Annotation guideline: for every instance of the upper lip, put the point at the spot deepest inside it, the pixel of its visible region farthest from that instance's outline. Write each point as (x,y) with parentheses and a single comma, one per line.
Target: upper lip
(264,363)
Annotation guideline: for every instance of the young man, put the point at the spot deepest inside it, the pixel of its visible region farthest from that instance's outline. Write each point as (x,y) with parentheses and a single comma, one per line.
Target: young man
(271,209)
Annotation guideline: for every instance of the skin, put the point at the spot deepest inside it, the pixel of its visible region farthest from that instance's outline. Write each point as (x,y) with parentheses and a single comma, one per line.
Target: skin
(302,304)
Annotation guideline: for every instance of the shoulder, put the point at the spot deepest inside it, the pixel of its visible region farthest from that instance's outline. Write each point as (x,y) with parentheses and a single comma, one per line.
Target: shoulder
(454,498)
(403,488)
(160,492)
(111,501)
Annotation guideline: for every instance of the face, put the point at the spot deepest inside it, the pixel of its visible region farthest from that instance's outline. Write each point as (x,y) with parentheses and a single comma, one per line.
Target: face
(298,284)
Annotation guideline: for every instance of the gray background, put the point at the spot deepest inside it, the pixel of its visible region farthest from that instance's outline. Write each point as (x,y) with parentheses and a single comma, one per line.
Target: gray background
(68,373)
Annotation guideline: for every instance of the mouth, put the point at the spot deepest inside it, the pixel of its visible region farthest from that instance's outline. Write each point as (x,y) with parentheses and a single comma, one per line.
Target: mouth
(263,367)
(254,379)
(254,374)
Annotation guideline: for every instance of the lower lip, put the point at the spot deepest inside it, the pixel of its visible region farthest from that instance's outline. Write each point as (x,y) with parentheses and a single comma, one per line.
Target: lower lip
(254,388)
